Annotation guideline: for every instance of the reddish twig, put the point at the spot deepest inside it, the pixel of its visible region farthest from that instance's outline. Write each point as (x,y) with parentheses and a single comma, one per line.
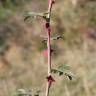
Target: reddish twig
(49,52)
(49,78)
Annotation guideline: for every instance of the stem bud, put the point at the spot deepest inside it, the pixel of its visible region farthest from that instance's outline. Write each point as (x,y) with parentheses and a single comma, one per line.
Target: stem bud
(47,25)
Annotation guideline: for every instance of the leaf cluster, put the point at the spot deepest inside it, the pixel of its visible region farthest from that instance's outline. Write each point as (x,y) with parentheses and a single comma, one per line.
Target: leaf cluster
(23,92)
(43,15)
(63,70)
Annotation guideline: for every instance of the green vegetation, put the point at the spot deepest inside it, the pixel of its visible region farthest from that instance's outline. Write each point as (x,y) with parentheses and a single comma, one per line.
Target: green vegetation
(9,7)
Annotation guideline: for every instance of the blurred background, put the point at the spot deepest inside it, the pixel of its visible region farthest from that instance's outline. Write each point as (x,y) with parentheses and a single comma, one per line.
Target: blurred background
(22,60)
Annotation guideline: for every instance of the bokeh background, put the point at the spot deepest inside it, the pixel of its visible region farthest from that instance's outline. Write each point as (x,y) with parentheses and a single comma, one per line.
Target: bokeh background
(22,61)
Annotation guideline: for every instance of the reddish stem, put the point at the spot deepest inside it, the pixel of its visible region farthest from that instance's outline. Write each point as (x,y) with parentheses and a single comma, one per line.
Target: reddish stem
(47,89)
(49,44)
(49,52)
(51,2)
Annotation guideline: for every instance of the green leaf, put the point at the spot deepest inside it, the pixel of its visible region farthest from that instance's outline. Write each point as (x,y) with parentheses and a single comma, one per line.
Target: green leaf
(54,71)
(69,75)
(63,70)
(34,15)
(37,93)
(63,67)
(60,73)
(22,92)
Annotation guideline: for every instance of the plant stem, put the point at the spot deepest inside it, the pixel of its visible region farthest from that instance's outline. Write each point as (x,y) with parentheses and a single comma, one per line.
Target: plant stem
(49,52)
(47,89)
(49,8)
(48,85)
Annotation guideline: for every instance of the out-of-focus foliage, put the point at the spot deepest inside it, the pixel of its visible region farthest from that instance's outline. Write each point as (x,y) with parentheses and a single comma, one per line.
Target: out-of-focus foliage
(7,7)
